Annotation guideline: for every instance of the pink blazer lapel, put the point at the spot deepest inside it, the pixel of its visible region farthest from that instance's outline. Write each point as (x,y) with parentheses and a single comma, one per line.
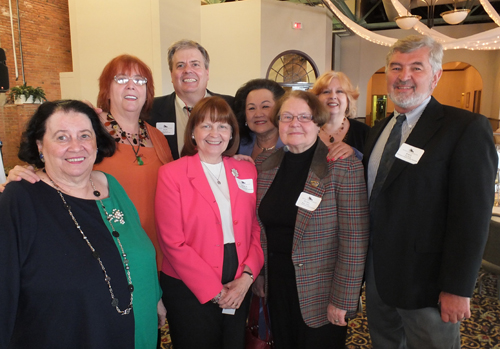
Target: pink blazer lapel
(199,181)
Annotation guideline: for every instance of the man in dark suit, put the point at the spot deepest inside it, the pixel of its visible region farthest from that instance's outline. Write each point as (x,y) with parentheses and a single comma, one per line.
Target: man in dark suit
(188,62)
(430,206)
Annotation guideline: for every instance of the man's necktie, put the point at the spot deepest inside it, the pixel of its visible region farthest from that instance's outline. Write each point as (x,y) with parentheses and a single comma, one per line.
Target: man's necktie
(388,156)
(189,110)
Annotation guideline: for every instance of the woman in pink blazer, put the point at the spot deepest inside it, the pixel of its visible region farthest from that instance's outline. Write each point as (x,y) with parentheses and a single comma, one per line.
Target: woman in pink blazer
(208,232)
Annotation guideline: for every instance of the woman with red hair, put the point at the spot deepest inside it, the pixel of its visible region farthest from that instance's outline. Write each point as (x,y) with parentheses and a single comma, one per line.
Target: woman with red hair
(126,92)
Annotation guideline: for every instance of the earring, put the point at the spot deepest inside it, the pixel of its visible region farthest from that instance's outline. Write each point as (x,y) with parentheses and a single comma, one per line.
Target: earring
(42,158)
(246,124)
(231,137)
(192,136)
(347,111)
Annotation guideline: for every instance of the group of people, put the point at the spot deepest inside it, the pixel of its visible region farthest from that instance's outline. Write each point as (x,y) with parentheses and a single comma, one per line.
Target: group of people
(410,198)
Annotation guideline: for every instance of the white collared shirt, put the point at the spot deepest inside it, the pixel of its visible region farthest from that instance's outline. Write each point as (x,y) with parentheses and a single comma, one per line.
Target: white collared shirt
(409,124)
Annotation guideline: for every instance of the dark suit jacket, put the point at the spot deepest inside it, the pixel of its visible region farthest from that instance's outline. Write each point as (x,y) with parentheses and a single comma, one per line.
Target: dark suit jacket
(164,111)
(429,224)
(330,243)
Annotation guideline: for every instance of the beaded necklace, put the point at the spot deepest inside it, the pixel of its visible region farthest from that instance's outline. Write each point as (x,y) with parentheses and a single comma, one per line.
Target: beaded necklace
(140,140)
(331,138)
(95,254)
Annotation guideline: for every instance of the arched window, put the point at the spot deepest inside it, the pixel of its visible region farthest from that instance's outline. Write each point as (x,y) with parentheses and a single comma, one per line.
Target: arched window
(293,69)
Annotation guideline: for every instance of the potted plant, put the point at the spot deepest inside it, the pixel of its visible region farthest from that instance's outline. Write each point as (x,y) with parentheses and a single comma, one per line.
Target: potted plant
(26,94)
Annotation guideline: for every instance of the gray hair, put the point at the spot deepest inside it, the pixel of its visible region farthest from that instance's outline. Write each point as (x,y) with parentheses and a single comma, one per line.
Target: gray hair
(186,44)
(415,42)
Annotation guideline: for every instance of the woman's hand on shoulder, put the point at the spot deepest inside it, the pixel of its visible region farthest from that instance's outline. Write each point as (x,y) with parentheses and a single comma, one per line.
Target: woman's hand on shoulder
(240,157)
(339,150)
(21,172)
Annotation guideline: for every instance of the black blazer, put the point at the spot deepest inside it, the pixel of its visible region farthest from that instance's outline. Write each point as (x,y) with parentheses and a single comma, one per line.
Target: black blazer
(429,224)
(164,111)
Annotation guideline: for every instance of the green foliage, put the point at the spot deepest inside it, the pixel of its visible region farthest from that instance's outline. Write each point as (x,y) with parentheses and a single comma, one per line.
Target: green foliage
(24,90)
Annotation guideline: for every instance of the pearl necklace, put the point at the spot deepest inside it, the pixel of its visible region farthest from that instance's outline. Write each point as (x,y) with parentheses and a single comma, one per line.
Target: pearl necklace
(331,138)
(95,254)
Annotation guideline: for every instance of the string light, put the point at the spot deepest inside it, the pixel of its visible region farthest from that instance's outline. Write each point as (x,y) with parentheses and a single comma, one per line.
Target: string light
(487,40)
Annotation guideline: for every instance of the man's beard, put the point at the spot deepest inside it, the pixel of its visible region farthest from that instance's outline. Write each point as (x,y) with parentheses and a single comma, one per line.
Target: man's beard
(414,100)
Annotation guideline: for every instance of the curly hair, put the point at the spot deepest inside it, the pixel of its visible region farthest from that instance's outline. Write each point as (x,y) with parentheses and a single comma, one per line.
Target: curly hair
(240,100)
(36,128)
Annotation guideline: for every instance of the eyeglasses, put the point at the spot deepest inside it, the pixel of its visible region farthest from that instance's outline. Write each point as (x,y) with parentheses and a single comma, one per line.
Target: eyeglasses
(287,117)
(124,79)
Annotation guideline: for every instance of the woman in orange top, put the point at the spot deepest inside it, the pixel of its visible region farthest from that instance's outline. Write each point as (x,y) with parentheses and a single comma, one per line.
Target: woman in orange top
(126,92)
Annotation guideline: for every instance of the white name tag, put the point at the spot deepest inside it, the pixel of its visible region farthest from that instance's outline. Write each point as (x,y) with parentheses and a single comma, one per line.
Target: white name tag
(409,153)
(229,311)
(245,184)
(167,128)
(308,202)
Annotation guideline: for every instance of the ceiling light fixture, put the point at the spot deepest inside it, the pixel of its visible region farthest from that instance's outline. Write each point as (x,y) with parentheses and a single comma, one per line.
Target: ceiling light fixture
(455,16)
(487,40)
(407,22)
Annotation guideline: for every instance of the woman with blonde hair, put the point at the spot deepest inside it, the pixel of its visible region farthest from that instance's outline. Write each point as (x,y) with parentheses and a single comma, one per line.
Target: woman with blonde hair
(336,92)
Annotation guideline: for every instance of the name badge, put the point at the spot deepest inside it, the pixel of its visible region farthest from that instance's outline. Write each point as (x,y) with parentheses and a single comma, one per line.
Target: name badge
(409,153)
(229,311)
(167,128)
(308,202)
(245,184)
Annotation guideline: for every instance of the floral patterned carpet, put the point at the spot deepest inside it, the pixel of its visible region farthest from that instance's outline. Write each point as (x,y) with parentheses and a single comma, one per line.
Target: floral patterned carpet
(481,331)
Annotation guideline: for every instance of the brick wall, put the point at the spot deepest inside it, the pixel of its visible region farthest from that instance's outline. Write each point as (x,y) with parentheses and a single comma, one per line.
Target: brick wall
(46,45)
(13,118)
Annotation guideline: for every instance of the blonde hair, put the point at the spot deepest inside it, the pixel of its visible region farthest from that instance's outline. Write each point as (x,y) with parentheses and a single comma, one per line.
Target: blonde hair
(352,92)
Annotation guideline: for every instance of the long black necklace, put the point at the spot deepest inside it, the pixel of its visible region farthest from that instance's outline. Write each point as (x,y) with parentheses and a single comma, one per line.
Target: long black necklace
(95,254)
